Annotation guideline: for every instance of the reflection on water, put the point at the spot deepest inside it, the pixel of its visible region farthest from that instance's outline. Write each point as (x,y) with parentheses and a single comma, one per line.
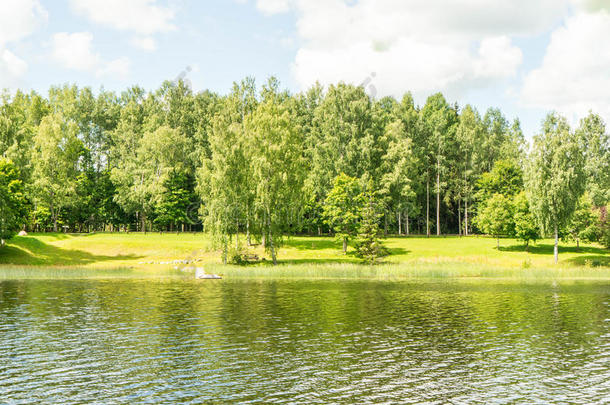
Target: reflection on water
(306,341)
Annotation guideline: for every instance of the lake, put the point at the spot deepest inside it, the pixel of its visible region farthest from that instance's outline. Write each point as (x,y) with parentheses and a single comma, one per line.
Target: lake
(126,341)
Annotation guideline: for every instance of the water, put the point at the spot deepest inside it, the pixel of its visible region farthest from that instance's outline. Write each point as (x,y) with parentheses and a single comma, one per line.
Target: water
(144,341)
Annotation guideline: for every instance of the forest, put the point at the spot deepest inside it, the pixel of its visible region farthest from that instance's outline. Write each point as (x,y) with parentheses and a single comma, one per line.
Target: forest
(262,164)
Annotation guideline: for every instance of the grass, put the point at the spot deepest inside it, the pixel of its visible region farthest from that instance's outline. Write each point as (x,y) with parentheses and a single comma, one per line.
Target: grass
(65,255)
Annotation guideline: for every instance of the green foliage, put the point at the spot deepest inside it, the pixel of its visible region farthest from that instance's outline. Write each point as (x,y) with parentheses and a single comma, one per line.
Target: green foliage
(264,163)
(369,246)
(175,200)
(555,177)
(525,226)
(604,238)
(496,217)
(595,142)
(278,166)
(342,208)
(505,178)
(55,158)
(12,201)
(584,224)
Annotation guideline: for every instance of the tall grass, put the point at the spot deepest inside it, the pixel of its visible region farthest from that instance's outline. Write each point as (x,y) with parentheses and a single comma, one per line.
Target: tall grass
(406,271)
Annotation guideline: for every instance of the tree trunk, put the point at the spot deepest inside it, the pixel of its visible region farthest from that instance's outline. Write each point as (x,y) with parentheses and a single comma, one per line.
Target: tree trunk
(556,248)
(248,241)
(527,245)
(438,199)
(143,218)
(428,207)
(498,243)
(399,224)
(271,247)
(460,218)
(225,251)
(385,225)
(236,235)
(466,217)
(344,245)
(54,216)
(577,243)
(407,223)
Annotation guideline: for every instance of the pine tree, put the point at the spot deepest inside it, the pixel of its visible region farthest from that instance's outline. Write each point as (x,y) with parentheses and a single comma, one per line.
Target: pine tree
(369,246)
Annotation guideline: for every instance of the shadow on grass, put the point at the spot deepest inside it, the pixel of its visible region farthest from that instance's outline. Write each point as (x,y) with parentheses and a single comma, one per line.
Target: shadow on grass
(32,251)
(591,260)
(547,249)
(313,244)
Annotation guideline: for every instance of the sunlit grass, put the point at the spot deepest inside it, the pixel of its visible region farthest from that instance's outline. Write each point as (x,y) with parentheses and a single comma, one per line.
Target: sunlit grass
(439,270)
(311,257)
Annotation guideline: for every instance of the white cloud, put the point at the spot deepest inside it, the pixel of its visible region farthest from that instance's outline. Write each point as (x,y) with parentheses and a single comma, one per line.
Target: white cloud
(145,43)
(419,45)
(75,51)
(117,67)
(12,68)
(574,76)
(270,7)
(18,19)
(143,17)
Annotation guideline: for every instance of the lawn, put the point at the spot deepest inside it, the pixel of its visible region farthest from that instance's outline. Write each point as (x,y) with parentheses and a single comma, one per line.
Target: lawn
(308,256)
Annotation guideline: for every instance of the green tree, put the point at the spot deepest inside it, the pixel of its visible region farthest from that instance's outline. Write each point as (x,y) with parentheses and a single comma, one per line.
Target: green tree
(369,246)
(595,142)
(468,136)
(398,170)
(584,223)
(505,178)
(224,179)
(342,208)
(439,124)
(555,176)
(278,165)
(525,227)
(496,217)
(12,201)
(55,160)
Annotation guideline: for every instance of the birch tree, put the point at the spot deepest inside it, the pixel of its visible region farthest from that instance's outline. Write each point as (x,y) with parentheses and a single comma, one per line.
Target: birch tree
(555,176)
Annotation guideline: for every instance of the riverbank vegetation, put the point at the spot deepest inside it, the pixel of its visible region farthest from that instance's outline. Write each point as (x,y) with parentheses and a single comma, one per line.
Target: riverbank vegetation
(264,167)
(156,253)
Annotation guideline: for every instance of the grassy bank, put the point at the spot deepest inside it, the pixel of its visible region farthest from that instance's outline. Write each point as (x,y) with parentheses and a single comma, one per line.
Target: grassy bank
(310,257)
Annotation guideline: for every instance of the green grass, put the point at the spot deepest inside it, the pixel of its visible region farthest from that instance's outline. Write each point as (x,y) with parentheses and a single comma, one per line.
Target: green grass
(309,257)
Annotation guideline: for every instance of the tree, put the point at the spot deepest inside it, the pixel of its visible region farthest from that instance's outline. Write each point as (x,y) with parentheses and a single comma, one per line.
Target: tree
(342,208)
(496,217)
(505,178)
(55,158)
(369,247)
(468,135)
(439,123)
(342,138)
(525,227)
(398,168)
(278,165)
(224,182)
(595,142)
(584,224)
(555,176)
(12,201)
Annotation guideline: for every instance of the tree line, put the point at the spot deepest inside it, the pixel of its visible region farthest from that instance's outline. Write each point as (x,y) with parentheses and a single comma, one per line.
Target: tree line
(265,163)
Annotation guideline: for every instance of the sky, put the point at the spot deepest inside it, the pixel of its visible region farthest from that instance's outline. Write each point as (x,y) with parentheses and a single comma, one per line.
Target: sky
(526,57)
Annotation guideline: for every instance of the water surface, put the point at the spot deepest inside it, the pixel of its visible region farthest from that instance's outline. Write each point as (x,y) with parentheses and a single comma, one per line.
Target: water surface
(126,341)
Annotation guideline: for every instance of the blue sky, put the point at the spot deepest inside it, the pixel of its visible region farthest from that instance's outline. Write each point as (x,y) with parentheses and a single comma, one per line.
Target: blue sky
(525,57)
